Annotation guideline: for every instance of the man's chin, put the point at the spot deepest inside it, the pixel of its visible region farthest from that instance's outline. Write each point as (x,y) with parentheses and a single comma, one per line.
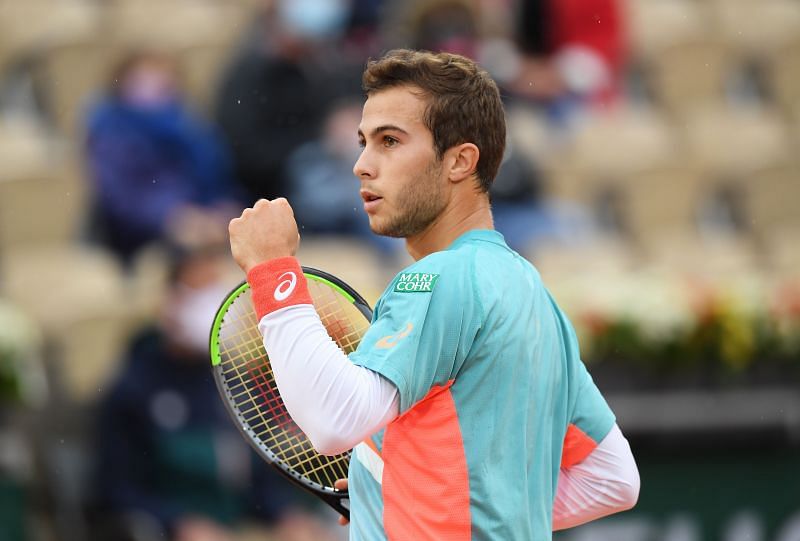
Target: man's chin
(381,229)
(384,232)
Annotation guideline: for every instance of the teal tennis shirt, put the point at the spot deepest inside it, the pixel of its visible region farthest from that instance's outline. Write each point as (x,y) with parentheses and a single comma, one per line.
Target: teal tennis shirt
(493,400)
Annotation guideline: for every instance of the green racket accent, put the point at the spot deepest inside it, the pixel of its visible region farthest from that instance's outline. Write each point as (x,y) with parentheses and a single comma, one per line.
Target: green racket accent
(244,377)
(214,345)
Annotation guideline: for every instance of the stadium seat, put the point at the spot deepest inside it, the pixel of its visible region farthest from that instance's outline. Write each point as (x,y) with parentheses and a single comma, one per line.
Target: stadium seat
(660,203)
(714,258)
(71,75)
(623,140)
(30,26)
(174,24)
(783,255)
(783,76)
(690,74)
(765,37)
(608,255)
(771,196)
(755,28)
(78,295)
(656,25)
(608,149)
(723,141)
(680,61)
(41,210)
(42,199)
(25,149)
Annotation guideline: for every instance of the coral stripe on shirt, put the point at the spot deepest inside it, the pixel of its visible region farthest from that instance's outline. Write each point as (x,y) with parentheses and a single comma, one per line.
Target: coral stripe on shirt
(425,478)
(577,446)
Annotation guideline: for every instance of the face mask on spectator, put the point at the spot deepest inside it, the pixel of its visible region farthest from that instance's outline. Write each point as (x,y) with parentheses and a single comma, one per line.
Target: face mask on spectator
(149,87)
(193,314)
(314,19)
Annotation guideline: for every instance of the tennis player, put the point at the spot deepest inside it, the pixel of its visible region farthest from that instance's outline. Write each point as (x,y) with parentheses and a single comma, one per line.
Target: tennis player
(469,410)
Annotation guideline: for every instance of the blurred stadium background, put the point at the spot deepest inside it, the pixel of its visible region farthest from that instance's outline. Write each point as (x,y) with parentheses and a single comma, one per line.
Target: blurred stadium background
(679,265)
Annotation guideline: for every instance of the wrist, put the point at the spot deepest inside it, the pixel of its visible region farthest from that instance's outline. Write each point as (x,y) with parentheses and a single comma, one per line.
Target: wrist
(277,283)
(264,258)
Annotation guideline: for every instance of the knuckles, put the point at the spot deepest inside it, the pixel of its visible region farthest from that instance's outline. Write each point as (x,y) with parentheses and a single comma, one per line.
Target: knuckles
(261,210)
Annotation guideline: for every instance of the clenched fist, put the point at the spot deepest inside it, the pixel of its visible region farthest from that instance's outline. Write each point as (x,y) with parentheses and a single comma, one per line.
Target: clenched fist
(264,232)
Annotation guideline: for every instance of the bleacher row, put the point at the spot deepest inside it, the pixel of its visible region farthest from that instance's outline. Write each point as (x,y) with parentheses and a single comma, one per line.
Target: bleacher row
(712,122)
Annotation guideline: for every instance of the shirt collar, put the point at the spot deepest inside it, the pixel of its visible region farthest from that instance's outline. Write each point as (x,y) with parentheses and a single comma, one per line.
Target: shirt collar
(487,235)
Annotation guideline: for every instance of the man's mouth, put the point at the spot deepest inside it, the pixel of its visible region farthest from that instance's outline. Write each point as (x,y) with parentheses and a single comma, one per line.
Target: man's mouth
(371,200)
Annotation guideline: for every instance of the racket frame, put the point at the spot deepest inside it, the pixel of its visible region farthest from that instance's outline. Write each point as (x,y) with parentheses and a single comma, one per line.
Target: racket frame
(337,499)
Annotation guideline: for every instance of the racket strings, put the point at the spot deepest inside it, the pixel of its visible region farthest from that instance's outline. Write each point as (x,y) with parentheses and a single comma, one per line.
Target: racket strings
(270,421)
(341,319)
(251,385)
(262,409)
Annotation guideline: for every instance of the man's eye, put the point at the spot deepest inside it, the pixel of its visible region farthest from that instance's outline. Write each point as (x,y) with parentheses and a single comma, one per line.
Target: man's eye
(389,141)
(362,143)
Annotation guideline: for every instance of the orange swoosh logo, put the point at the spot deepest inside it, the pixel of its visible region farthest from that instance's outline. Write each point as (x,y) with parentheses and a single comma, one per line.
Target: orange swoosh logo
(391,340)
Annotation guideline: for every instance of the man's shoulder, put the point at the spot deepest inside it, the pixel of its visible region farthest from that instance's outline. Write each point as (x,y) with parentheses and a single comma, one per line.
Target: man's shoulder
(444,270)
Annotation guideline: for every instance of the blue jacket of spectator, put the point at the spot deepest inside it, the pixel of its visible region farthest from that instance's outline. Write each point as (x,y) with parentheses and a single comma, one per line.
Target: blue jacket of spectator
(145,163)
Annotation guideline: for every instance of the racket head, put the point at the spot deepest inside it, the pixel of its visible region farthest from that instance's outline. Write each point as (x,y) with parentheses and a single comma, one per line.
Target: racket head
(246,383)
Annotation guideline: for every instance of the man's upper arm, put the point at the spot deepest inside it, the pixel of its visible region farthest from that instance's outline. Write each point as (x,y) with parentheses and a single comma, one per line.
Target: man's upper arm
(590,422)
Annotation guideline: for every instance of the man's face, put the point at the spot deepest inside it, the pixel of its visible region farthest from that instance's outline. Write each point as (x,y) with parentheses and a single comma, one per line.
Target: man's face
(402,181)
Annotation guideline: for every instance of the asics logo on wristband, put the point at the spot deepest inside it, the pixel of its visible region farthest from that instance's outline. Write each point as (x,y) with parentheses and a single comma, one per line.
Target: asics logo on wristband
(286,287)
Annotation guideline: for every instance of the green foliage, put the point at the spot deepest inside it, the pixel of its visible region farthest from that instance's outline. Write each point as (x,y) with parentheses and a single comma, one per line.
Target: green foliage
(19,339)
(9,381)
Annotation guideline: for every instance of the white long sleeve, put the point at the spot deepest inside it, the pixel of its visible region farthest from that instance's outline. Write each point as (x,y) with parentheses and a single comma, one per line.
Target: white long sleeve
(605,482)
(335,402)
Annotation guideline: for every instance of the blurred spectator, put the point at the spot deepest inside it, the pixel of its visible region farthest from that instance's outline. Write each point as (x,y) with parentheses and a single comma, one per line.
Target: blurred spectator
(573,46)
(170,462)
(276,92)
(324,190)
(363,28)
(157,170)
(566,54)
(446,25)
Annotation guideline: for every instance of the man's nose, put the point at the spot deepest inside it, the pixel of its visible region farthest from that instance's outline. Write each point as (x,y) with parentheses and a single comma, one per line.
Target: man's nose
(363,167)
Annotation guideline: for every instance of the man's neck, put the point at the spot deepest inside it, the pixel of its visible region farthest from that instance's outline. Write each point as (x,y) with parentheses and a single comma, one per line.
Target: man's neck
(453,222)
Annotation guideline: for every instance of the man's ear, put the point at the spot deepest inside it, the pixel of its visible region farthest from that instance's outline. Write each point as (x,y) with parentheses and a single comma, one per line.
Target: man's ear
(463,161)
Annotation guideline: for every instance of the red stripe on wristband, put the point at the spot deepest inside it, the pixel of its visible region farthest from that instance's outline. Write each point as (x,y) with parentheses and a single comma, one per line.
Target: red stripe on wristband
(276,284)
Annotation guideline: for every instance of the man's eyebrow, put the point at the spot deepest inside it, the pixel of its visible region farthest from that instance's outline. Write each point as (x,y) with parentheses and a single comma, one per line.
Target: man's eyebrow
(383,128)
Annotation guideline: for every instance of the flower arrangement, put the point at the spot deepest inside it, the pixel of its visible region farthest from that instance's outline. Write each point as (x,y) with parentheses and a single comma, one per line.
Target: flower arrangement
(20,341)
(652,330)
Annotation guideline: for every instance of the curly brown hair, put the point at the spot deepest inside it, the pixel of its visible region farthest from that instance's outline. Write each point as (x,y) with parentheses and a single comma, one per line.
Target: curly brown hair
(464,103)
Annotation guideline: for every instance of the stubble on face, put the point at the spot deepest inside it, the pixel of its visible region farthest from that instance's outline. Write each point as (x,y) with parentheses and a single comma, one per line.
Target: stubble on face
(418,206)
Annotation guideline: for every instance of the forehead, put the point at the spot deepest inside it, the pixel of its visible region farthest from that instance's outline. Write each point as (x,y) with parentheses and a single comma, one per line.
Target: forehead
(400,106)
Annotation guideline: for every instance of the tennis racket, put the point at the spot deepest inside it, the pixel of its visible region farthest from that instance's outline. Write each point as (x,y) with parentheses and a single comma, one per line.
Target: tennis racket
(245,380)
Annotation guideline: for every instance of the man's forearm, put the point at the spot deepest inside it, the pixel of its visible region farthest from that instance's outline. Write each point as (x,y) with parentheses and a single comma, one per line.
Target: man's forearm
(605,482)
